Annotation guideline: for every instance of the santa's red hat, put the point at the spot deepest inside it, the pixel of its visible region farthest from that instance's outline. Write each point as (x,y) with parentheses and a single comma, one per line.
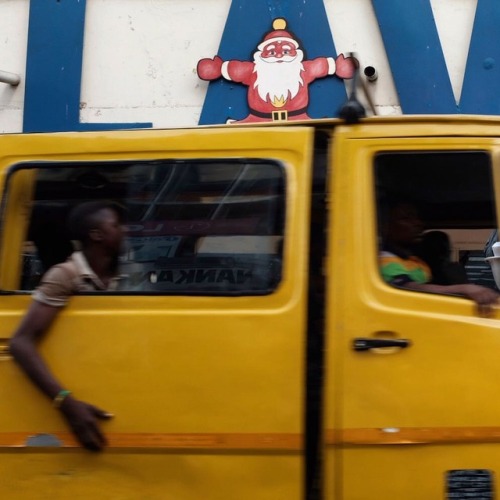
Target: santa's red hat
(278,35)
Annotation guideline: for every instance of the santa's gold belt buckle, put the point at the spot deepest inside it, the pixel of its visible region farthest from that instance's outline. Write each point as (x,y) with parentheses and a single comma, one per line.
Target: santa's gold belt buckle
(280,116)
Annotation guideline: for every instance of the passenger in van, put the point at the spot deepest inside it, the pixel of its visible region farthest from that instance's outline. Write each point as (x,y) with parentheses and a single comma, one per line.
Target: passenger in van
(402,229)
(98,227)
(434,249)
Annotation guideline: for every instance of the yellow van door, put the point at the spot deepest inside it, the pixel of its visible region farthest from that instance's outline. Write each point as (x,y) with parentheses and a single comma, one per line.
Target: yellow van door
(200,354)
(412,377)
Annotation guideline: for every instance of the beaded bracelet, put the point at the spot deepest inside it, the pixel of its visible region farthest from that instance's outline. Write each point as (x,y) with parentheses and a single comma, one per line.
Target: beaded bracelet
(60,397)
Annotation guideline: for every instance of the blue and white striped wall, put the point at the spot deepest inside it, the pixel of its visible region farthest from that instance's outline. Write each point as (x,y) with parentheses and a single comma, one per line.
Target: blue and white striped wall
(105,64)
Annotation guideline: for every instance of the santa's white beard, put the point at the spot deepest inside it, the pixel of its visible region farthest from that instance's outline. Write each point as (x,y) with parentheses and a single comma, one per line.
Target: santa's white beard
(278,80)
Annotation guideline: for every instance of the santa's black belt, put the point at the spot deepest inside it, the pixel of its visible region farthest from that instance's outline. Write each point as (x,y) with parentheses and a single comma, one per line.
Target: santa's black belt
(279,115)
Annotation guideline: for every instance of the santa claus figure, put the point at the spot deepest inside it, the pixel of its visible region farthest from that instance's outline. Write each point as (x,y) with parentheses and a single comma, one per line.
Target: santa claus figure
(278,78)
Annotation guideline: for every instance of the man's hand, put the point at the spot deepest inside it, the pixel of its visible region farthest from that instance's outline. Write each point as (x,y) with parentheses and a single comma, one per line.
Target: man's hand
(484,297)
(83,421)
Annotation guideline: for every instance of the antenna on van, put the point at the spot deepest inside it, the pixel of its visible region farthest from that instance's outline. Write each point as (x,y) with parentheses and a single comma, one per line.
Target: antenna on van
(352,110)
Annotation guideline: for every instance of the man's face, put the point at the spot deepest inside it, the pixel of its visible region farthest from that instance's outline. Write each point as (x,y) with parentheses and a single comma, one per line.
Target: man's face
(404,226)
(111,230)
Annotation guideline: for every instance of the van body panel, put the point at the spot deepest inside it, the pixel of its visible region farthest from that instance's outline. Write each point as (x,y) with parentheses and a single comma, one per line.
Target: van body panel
(212,392)
(207,391)
(400,417)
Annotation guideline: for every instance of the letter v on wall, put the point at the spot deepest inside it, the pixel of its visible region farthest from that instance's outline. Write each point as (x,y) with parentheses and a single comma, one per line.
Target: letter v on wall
(480,91)
(415,55)
(54,69)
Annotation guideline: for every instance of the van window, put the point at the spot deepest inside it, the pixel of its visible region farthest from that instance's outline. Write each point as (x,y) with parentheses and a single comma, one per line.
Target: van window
(450,194)
(193,226)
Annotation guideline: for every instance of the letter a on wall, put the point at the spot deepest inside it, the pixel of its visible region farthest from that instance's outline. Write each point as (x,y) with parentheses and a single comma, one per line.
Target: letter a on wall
(251,27)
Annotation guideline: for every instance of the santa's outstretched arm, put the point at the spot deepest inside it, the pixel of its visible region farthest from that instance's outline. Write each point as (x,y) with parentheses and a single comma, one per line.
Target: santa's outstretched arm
(345,67)
(210,69)
(327,66)
(234,71)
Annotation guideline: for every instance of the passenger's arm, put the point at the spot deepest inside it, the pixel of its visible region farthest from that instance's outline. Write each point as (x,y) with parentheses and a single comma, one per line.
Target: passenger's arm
(484,297)
(80,416)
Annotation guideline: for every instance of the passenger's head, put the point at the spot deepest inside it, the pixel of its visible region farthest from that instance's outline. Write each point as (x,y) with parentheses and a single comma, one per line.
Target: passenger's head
(97,223)
(401,223)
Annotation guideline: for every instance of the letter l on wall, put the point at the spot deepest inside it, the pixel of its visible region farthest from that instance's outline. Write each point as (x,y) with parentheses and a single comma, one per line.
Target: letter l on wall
(54,69)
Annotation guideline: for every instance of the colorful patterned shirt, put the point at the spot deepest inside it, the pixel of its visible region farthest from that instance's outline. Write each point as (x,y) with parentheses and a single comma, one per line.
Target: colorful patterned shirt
(399,271)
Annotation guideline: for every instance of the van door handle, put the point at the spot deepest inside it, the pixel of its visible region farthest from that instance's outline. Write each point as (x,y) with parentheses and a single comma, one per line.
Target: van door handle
(362,344)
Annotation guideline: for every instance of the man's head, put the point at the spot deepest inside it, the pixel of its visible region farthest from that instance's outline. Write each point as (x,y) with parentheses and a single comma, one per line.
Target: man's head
(98,223)
(402,225)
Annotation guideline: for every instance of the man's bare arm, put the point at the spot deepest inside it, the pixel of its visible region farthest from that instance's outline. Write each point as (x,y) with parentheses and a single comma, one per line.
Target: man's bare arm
(483,296)
(80,416)
(23,347)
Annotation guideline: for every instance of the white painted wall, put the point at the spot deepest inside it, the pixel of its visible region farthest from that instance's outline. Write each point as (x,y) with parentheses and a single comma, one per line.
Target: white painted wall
(140,55)
(13,43)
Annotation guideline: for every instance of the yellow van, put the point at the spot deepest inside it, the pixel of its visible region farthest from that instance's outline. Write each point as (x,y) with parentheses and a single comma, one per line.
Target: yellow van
(256,352)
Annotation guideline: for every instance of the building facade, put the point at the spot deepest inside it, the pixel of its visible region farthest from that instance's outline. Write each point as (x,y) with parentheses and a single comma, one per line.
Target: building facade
(106,64)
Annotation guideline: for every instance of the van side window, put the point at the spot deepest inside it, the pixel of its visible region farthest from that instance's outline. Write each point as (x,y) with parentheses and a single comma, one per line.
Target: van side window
(193,226)
(435,211)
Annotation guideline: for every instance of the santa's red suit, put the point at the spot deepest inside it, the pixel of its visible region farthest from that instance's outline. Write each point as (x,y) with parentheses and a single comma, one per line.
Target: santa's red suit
(292,100)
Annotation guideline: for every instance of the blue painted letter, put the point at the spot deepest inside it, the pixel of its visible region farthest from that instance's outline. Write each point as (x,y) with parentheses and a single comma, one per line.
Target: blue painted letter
(54,69)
